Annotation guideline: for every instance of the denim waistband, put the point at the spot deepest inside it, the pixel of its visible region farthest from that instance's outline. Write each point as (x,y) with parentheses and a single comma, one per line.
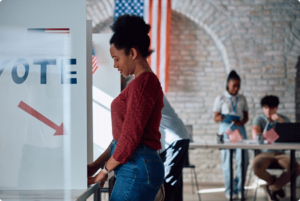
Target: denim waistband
(140,147)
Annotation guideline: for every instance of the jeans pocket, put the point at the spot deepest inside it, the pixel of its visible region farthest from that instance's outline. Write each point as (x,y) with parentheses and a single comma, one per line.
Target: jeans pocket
(155,172)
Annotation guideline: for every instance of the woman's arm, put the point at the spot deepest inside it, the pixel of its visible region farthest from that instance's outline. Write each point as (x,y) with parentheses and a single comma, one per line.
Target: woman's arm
(97,164)
(218,117)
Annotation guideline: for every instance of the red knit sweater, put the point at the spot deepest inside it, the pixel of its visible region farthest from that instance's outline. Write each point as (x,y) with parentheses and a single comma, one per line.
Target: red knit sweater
(136,115)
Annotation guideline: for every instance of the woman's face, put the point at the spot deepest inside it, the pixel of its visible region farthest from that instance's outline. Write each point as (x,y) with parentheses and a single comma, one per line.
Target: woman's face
(124,63)
(233,86)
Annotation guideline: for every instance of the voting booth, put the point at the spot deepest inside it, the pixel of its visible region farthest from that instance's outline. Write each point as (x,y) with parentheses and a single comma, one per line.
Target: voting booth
(43,87)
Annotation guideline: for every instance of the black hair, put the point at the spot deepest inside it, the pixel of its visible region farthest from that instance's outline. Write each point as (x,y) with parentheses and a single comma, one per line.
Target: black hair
(131,31)
(270,101)
(232,76)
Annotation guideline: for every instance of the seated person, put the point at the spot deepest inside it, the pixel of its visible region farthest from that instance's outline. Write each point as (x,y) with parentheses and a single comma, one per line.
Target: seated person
(267,157)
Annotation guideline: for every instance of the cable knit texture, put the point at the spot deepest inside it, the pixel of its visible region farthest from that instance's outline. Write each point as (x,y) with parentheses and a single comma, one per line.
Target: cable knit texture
(136,115)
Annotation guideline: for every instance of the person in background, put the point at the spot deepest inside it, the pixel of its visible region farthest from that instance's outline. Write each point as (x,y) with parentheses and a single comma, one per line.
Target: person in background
(264,159)
(231,102)
(136,115)
(175,144)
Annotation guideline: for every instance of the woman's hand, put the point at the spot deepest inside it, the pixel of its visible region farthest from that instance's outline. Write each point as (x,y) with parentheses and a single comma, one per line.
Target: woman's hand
(238,123)
(101,176)
(92,169)
(276,117)
(218,117)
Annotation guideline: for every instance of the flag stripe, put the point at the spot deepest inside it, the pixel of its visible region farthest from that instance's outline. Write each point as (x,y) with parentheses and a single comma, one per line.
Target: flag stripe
(168,33)
(159,10)
(151,30)
(154,35)
(57,29)
(162,65)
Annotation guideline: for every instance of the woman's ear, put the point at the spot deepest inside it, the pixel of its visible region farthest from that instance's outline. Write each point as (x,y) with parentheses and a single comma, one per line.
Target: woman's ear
(133,53)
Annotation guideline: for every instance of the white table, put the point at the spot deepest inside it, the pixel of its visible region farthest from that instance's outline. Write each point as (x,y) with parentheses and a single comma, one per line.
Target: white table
(250,144)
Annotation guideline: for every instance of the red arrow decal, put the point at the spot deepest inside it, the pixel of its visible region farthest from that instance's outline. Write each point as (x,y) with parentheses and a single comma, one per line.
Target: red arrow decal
(60,130)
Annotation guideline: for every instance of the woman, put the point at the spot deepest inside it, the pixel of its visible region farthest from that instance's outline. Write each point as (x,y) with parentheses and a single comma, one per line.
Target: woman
(230,102)
(136,115)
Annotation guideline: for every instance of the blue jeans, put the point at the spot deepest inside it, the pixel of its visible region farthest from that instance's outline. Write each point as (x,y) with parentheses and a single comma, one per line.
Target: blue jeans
(140,178)
(237,181)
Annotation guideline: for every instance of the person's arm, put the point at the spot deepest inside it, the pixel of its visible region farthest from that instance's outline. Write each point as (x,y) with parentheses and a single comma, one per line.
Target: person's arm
(218,117)
(102,176)
(97,164)
(241,123)
(276,117)
(255,130)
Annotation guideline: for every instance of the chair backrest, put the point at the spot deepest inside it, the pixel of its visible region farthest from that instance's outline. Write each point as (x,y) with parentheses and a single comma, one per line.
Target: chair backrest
(189,128)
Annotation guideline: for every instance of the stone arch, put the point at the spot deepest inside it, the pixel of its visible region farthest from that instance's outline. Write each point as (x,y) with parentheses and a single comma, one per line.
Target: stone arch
(213,20)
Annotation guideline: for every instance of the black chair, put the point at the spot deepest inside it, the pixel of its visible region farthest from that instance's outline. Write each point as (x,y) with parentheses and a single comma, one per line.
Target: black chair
(190,166)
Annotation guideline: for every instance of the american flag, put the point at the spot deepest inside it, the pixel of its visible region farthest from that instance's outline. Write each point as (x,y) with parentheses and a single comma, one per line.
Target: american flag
(95,63)
(270,134)
(157,13)
(233,133)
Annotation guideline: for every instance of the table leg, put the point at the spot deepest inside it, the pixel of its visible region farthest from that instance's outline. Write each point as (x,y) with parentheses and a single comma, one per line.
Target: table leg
(293,176)
(231,175)
(243,175)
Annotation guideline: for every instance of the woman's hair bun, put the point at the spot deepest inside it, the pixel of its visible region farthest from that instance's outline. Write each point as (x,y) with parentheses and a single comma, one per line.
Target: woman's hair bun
(130,24)
(233,75)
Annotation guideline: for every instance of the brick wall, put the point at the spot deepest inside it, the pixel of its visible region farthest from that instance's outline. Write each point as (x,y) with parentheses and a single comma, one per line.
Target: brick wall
(258,38)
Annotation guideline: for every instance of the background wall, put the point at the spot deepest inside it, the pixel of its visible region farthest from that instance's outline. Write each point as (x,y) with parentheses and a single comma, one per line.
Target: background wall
(260,39)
